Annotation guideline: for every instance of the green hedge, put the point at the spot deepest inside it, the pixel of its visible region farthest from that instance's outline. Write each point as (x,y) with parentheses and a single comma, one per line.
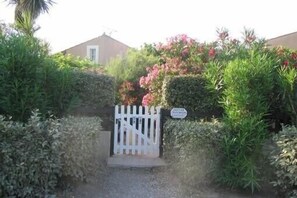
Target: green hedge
(189,92)
(31,79)
(192,148)
(80,146)
(29,155)
(94,90)
(283,159)
(37,155)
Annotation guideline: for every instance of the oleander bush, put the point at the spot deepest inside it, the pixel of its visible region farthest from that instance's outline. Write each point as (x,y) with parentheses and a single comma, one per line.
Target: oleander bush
(284,160)
(30,157)
(192,147)
(21,76)
(32,79)
(245,104)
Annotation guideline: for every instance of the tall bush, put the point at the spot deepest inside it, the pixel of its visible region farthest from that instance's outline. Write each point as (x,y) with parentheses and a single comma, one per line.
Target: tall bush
(59,87)
(249,83)
(21,76)
(287,83)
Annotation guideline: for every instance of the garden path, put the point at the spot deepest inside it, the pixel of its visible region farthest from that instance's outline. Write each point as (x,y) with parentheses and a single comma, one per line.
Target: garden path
(143,183)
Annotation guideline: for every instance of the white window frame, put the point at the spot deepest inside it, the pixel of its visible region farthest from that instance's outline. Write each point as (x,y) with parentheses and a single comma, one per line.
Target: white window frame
(96,47)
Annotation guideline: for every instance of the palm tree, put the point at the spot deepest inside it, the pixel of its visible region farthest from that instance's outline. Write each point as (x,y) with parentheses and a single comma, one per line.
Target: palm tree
(26,24)
(34,7)
(27,11)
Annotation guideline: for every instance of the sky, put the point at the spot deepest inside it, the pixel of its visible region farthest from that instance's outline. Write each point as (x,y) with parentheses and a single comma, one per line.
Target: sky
(135,22)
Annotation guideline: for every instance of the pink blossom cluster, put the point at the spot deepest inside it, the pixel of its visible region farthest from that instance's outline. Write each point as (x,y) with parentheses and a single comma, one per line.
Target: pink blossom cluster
(181,39)
(181,55)
(147,99)
(153,73)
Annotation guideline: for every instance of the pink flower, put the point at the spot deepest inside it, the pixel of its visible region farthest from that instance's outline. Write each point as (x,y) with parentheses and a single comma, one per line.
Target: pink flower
(212,52)
(185,52)
(286,63)
(184,38)
(147,99)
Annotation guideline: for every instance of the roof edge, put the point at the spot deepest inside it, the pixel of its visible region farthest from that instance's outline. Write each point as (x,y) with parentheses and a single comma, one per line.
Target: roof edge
(277,37)
(93,39)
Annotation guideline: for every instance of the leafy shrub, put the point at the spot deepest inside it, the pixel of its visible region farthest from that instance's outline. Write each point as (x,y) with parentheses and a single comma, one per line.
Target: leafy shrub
(288,88)
(130,93)
(130,66)
(192,147)
(245,104)
(179,56)
(66,61)
(283,159)
(182,55)
(21,76)
(128,69)
(80,145)
(94,90)
(29,155)
(189,92)
(59,88)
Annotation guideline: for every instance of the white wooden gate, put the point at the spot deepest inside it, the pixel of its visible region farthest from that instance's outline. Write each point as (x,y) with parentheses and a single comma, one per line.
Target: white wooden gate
(137,131)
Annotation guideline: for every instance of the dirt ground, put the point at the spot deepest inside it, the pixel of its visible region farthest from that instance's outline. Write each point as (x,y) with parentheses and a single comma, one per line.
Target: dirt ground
(145,183)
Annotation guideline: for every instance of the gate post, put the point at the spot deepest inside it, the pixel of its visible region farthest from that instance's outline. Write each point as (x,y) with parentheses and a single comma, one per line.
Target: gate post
(112,132)
(162,120)
(164,116)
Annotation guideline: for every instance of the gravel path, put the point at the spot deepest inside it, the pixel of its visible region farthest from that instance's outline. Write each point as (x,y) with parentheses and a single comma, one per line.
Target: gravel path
(143,183)
(131,183)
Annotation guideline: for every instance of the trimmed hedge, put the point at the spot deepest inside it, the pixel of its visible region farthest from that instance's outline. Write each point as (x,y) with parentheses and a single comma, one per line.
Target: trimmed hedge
(189,92)
(193,149)
(94,90)
(284,159)
(29,155)
(80,145)
(37,155)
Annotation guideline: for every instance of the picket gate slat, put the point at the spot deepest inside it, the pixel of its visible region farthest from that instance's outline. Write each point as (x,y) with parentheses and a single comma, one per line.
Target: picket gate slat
(137,132)
(139,142)
(146,130)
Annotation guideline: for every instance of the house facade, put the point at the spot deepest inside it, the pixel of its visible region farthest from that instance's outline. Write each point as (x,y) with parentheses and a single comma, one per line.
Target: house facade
(287,41)
(100,50)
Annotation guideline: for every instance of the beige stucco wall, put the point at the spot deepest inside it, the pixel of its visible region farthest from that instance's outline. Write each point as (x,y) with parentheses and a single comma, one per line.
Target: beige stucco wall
(108,48)
(288,41)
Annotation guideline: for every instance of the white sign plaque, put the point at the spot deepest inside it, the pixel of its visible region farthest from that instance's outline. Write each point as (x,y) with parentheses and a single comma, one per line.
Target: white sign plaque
(178,113)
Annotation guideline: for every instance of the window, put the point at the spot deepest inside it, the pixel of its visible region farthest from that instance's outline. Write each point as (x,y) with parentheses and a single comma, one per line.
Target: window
(93,53)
